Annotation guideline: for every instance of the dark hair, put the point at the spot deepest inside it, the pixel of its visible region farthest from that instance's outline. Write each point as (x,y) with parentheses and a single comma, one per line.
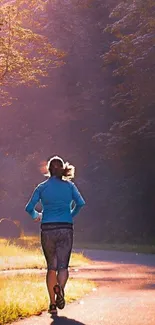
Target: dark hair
(57,167)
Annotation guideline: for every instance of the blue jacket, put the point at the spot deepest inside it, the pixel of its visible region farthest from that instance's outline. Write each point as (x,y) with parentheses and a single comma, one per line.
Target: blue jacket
(60,199)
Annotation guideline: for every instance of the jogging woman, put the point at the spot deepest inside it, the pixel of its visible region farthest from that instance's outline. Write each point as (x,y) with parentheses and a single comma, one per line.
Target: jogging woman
(61,201)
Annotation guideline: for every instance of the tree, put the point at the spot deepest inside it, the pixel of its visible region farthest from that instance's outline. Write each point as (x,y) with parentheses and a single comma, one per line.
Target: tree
(131,59)
(132,54)
(129,142)
(26,55)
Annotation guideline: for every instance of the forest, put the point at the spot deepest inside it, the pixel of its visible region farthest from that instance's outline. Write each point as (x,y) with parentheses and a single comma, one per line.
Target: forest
(77,80)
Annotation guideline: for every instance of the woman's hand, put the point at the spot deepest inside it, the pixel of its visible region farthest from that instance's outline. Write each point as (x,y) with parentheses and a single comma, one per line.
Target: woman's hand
(38,218)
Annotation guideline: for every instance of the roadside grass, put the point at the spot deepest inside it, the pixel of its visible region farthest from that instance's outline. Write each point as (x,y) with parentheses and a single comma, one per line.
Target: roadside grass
(15,255)
(25,295)
(33,241)
(135,248)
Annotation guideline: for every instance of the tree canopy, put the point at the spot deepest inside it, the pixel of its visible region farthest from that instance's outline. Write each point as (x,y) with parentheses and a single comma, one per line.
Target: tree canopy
(132,53)
(130,59)
(26,54)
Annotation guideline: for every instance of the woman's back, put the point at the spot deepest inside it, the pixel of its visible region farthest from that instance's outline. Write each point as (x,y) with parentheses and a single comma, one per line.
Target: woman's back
(56,196)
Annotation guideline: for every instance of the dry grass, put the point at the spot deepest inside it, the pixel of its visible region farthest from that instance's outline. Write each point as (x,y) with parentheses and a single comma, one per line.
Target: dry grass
(16,257)
(135,248)
(26,253)
(25,295)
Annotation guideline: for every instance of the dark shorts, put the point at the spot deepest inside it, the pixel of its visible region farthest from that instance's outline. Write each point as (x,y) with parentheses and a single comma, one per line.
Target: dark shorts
(57,242)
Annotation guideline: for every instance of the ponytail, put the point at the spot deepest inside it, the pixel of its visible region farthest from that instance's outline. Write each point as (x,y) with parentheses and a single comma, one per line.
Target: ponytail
(57,167)
(68,171)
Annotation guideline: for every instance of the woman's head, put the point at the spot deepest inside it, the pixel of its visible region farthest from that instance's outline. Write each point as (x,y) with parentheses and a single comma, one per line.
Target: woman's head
(57,167)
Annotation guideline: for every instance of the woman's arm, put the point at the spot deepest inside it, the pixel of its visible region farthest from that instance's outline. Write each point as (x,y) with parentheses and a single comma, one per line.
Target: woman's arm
(78,200)
(30,207)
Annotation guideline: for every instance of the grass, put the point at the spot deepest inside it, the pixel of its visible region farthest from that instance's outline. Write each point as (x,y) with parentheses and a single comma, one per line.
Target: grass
(25,253)
(136,248)
(25,295)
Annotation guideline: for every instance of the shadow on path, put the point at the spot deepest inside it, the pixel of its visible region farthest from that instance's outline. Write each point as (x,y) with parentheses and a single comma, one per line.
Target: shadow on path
(65,321)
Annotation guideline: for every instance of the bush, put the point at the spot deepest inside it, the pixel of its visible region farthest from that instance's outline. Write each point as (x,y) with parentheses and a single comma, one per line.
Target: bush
(9,229)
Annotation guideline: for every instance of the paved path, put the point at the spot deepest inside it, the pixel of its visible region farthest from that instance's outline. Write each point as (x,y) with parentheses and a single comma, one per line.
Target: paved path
(125,295)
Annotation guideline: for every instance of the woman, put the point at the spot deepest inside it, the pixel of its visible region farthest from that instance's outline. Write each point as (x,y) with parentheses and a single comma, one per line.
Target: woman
(61,202)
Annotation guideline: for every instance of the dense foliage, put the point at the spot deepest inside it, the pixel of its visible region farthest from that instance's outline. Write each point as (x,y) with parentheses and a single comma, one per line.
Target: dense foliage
(131,59)
(97,112)
(25,52)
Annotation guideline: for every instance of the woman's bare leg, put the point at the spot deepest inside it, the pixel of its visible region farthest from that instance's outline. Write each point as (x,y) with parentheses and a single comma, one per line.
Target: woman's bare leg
(62,277)
(51,281)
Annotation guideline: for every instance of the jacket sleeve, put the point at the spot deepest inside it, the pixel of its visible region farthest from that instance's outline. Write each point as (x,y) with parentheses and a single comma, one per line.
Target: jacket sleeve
(30,207)
(77,199)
